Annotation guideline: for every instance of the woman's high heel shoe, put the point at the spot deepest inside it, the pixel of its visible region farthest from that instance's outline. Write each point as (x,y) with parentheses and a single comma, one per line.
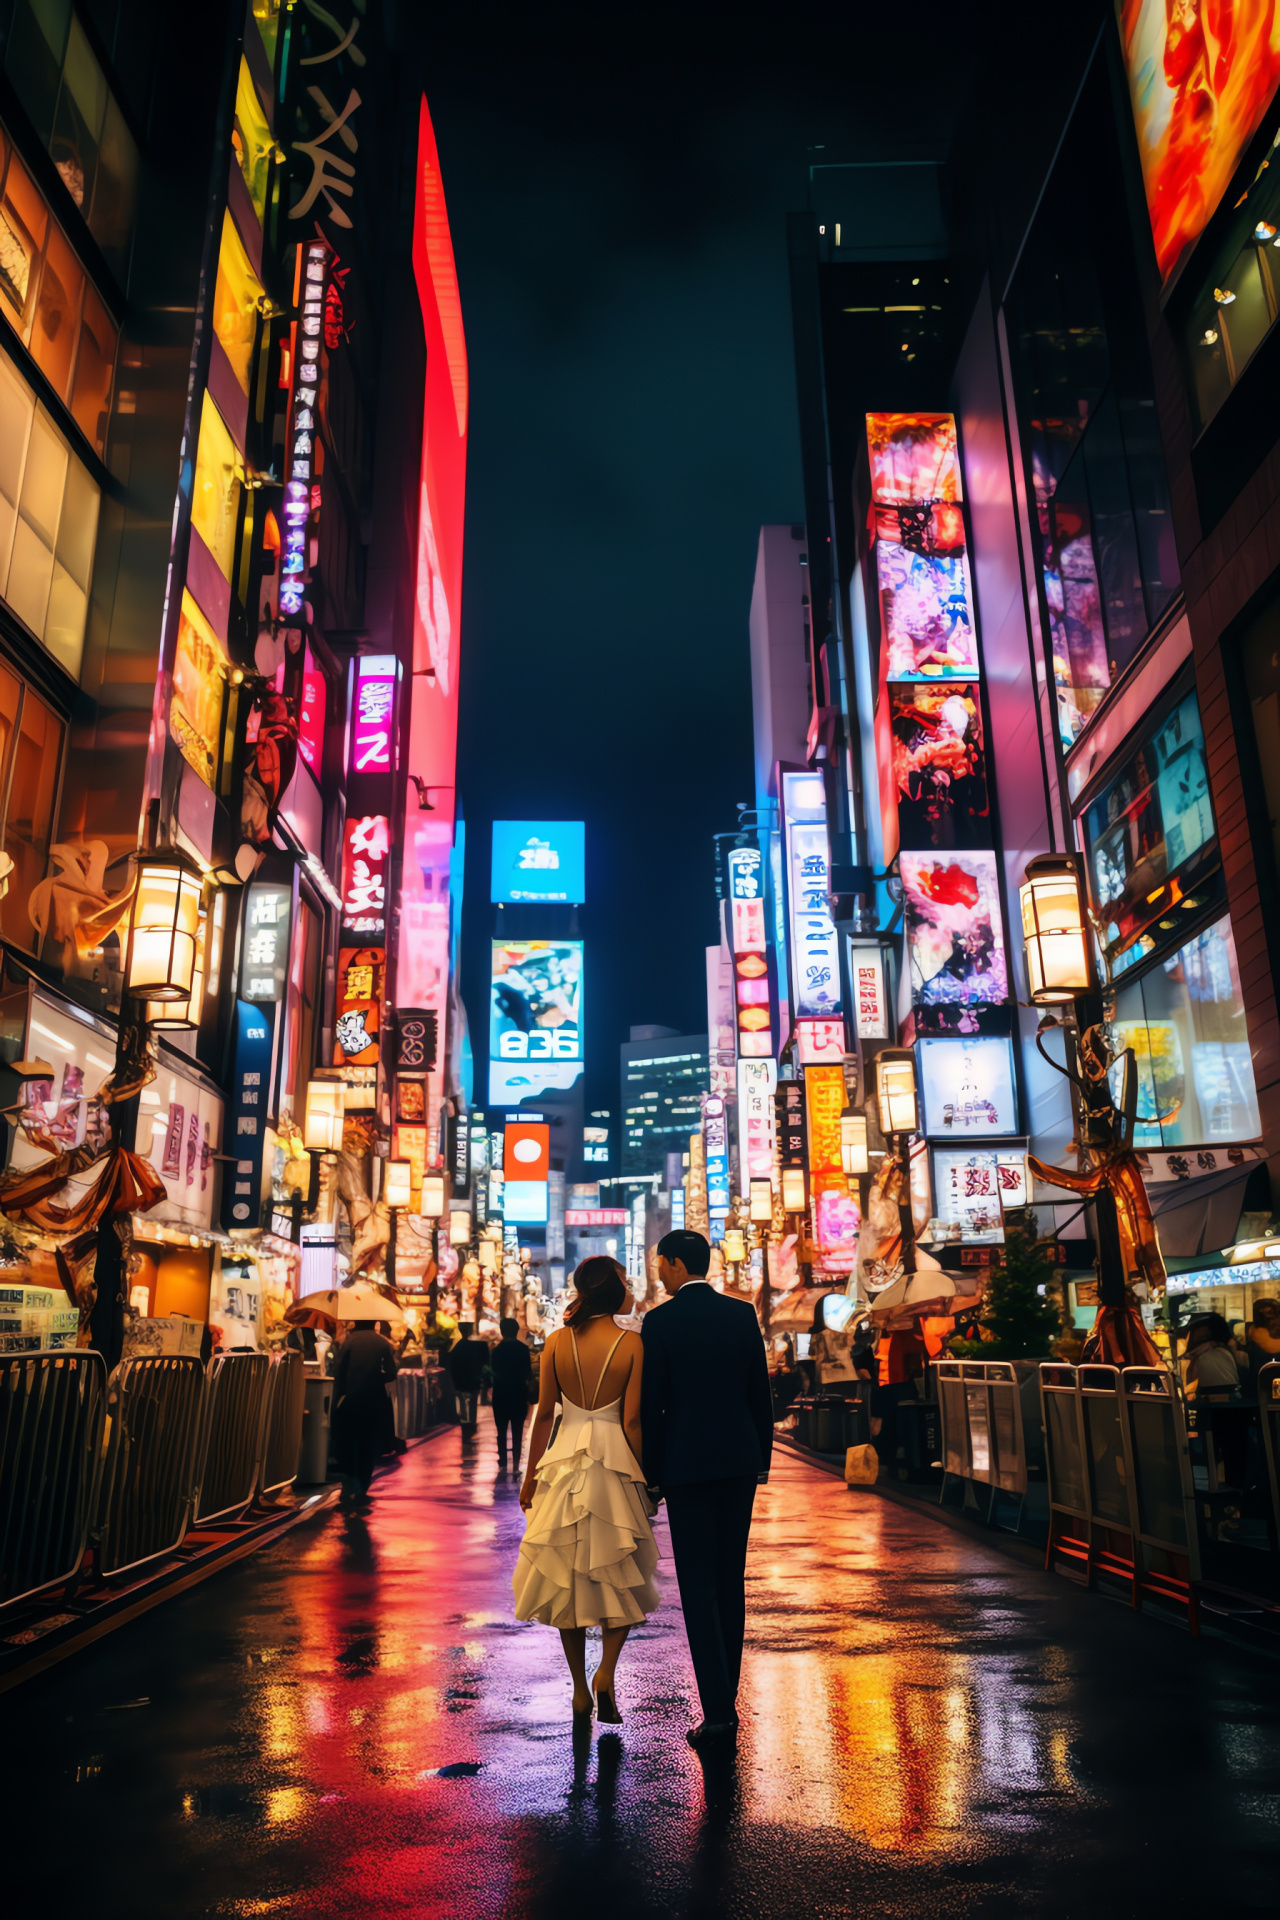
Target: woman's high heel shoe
(607,1708)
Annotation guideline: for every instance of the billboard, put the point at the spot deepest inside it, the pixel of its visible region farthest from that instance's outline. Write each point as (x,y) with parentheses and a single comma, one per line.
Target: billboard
(1201,76)
(815,946)
(539,860)
(967,1086)
(955,934)
(535,1018)
(526,1160)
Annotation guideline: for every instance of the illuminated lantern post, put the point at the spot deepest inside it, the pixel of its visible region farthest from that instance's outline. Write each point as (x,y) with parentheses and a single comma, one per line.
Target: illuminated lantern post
(164,929)
(899,1106)
(432,1209)
(397,1191)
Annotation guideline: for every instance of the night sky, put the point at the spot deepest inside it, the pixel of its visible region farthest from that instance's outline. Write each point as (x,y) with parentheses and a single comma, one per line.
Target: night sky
(618,210)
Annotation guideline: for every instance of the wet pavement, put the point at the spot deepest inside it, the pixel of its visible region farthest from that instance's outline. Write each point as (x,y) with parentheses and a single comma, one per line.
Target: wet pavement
(353,1724)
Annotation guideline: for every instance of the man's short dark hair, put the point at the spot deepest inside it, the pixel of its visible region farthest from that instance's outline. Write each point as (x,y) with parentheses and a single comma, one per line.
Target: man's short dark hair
(509,1329)
(466,1328)
(682,1243)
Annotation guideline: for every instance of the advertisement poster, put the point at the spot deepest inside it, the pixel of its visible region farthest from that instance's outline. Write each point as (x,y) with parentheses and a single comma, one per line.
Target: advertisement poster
(940,766)
(539,860)
(870,999)
(926,613)
(973,1189)
(535,1018)
(835,1214)
(1200,78)
(757,1080)
(359,1006)
(913,456)
(967,1087)
(199,687)
(955,936)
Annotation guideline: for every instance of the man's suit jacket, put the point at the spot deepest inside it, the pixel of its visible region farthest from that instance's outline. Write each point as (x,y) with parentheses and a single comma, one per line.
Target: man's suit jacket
(706,1412)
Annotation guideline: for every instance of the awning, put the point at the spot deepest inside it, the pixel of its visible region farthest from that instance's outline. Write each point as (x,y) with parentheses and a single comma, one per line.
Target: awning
(1195,1216)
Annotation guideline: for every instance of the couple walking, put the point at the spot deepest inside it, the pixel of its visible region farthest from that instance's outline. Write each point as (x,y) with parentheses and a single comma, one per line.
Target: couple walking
(680,1412)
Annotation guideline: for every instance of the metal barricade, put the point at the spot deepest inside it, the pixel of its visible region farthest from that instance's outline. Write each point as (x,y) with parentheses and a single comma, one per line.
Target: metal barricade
(155,1408)
(52,1407)
(1120,1489)
(286,1398)
(409,1405)
(231,1455)
(982,1433)
(1269,1424)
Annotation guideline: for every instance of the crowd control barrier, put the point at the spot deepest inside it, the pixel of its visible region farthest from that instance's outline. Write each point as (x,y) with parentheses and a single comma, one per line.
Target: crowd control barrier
(983,1438)
(150,1478)
(233,1434)
(282,1440)
(52,1407)
(1121,1499)
(1269,1423)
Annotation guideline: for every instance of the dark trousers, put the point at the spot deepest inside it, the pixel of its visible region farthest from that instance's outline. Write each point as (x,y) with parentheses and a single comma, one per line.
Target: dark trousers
(509,1415)
(710,1522)
(358,1424)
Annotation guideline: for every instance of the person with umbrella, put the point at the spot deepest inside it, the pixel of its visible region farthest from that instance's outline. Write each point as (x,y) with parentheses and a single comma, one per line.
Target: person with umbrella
(365,1364)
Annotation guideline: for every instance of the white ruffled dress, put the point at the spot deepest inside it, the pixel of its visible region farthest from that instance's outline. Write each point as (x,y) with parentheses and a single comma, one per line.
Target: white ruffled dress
(588,1556)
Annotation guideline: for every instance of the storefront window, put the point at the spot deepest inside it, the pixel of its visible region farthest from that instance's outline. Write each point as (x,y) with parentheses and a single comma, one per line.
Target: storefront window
(251,140)
(35,734)
(50,305)
(235,302)
(215,499)
(48,523)
(1237,304)
(1185,1021)
(56,75)
(1150,839)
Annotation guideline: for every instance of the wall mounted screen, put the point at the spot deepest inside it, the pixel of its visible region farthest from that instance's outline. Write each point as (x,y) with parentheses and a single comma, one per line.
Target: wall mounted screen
(539,860)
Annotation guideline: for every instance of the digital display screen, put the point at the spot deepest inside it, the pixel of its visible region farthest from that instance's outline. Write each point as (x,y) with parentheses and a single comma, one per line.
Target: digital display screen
(955,937)
(539,860)
(967,1088)
(940,765)
(1200,78)
(913,456)
(1149,835)
(926,610)
(973,1189)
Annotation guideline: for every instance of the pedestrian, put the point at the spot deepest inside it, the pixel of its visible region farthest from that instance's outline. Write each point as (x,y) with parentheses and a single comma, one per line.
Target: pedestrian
(512,1372)
(588,1555)
(707,1423)
(365,1363)
(1262,1339)
(467,1363)
(1213,1377)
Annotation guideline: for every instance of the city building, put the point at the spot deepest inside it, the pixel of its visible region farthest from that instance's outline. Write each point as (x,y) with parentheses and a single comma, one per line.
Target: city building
(229,311)
(664,1076)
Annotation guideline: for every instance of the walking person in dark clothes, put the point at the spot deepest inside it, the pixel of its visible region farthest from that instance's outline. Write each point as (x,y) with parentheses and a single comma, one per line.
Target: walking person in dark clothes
(512,1367)
(365,1363)
(466,1363)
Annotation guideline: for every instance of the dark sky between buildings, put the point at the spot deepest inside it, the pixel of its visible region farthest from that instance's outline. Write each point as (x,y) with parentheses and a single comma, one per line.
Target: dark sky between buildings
(618,202)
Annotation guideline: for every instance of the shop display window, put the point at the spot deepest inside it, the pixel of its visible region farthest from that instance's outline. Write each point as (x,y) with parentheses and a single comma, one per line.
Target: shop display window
(251,140)
(56,75)
(31,737)
(1150,839)
(1184,1019)
(48,523)
(236,296)
(215,497)
(51,305)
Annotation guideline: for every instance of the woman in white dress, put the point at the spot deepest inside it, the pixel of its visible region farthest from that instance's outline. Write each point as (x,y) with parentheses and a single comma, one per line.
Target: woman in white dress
(588,1555)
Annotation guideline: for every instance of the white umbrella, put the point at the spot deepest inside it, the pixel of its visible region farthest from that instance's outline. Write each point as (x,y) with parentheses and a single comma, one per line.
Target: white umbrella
(359,1302)
(919,1292)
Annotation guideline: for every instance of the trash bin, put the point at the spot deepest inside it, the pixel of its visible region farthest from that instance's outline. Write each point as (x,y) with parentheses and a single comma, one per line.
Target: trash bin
(803,1411)
(313,1460)
(857,1421)
(827,1424)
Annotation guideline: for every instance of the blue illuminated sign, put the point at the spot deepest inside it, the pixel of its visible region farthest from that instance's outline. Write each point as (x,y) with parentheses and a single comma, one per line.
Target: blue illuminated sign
(539,860)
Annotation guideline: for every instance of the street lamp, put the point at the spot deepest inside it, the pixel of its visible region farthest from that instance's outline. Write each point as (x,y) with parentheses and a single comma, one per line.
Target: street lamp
(899,1107)
(324,1117)
(164,927)
(397,1191)
(1055,931)
(853,1144)
(794,1198)
(432,1207)
(760,1202)
(459,1228)
(169,1016)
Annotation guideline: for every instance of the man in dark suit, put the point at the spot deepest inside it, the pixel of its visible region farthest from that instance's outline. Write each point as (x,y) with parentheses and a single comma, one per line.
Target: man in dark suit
(707,1422)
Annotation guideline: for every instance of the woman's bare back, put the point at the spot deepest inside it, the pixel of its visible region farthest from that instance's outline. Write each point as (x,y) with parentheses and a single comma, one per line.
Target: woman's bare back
(594,1340)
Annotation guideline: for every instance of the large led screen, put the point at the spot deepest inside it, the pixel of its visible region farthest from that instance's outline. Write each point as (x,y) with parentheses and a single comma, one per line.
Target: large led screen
(913,456)
(955,937)
(1201,75)
(940,766)
(967,1086)
(538,860)
(926,613)
(1150,835)
(1185,1021)
(535,1018)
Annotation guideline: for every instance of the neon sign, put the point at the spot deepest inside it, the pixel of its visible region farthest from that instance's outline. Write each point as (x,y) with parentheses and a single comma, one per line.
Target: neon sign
(365,851)
(302,489)
(371,724)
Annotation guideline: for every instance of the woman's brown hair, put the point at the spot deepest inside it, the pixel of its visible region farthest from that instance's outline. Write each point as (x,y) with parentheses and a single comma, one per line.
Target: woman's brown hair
(601,1289)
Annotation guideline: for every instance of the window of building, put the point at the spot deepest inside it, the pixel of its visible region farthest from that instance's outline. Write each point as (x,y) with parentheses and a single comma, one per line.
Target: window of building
(251,140)
(215,498)
(236,294)
(49,303)
(1088,423)
(267,15)
(1237,302)
(48,523)
(56,75)
(1150,840)
(200,668)
(30,762)
(1185,1021)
